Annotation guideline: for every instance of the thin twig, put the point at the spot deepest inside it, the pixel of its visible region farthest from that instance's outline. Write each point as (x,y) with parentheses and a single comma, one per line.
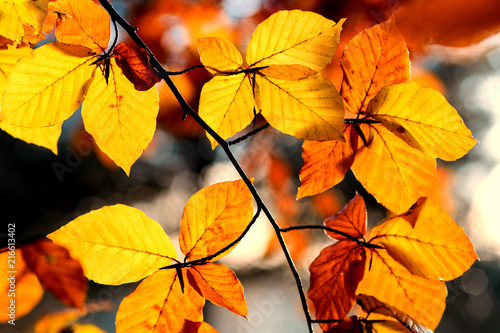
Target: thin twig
(189,111)
(246,136)
(346,235)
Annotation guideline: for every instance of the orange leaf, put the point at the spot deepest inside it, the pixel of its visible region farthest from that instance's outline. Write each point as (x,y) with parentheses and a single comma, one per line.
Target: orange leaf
(18,300)
(219,55)
(422,299)
(82,22)
(351,219)
(57,271)
(219,284)
(427,242)
(335,274)
(325,163)
(134,62)
(213,218)
(370,304)
(159,304)
(393,172)
(197,327)
(348,325)
(373,59)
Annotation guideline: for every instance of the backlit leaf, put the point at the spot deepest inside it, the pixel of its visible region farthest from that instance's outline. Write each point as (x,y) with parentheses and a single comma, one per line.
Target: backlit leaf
(220,285)
(134,62)
(45,136)
(116,244)
(227,104)
(393,172)
(308,109)
(335,274)
(82,22)
(351,219)
(121,119)
(370,304)
(371,60)
(219,55)
(287,72)
(420,298)
(427,242)
(197,327)
(213,218)
(423,118)
(25,292)
(325,164)
(57,271)
(294,37)
(15,15)
(159,304)
(58,78)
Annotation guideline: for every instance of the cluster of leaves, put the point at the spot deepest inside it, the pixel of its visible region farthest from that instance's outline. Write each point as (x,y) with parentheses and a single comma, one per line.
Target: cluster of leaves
(388,131)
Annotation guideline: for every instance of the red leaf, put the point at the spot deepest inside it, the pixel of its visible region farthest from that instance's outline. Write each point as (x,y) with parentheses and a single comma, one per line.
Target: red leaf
(335,275)
(57,271)
(134,62)
(351,219)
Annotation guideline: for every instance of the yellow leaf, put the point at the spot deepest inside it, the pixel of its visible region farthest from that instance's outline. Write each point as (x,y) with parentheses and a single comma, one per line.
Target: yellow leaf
(393,172)
(18,300)
(46,136)
(116,244)
(427,242)
(47,86)
(159,305)
(219,284)
(219,55)
(422,299)
(227,104)
(82,22)
(294,37)
(423,118)
(371,60)
(14,14)
(287,72)
(55,322)
(121,119)
(309,108)
(213,218)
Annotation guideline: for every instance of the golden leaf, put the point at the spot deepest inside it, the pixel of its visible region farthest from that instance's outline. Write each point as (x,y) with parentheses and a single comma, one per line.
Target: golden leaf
(16,14)
(219,55)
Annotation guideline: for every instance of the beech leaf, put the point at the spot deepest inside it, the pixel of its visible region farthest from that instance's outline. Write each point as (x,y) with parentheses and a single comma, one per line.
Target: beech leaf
(427,242)
(351,219)
(393,172)
(335,274)
(219,55)
(219,284)
(59,77)
(17,15)
(82,22)
(309,108)
(57,271)
(423,118)
(197,327)
(116,244)
(371,60)
(422,299)
(294,37)
(121,119)
(159,305)
(134,62)
(213,218)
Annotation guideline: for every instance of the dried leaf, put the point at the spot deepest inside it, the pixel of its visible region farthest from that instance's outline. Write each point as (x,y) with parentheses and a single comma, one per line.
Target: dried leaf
(134,62)
(335,274)
(57,271)
(197,327)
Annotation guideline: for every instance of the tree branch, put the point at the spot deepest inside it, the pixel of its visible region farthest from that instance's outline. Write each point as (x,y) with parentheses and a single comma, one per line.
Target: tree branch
(131,30)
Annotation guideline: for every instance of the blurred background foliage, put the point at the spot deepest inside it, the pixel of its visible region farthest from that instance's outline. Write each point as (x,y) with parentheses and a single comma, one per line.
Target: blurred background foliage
(453,47)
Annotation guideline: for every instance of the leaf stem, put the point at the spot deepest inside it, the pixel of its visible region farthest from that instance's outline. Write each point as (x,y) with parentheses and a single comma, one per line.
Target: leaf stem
(131,30)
